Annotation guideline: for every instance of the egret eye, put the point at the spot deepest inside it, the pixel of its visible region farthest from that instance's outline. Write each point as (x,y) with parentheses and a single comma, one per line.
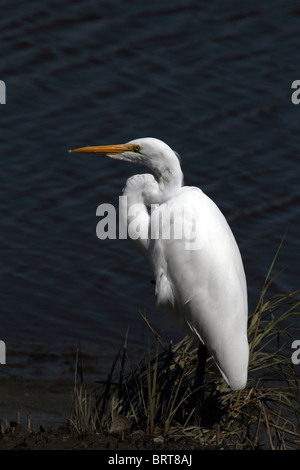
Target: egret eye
(136,148)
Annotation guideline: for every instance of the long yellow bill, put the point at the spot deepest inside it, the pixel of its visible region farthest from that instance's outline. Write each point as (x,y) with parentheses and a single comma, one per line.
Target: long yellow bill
(106,149)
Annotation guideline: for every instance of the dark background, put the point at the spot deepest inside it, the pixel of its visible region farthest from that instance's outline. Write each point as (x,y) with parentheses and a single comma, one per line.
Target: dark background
(211,79)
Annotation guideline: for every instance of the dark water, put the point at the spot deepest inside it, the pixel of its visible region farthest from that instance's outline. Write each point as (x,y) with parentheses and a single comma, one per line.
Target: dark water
(211,79)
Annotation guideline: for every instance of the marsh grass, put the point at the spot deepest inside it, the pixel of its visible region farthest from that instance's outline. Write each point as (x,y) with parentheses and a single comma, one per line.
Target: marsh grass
(83,414)
(158,394)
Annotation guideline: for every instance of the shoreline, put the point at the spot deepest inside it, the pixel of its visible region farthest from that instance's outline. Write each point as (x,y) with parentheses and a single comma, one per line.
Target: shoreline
(45,401)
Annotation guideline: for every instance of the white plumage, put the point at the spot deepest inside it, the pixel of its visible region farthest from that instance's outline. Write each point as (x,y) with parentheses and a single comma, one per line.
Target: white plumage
(199,274)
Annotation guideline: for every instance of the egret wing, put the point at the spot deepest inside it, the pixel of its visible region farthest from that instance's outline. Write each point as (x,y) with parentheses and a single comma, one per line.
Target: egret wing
(200,275)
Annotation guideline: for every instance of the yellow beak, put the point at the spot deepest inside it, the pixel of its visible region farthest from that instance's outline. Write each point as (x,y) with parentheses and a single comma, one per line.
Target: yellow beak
(106,149)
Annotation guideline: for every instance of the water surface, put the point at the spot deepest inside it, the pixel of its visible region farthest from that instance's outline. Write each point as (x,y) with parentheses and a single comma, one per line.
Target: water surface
(212,80)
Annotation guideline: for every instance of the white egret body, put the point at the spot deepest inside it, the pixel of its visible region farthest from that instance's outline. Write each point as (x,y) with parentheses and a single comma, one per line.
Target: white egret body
(196,262)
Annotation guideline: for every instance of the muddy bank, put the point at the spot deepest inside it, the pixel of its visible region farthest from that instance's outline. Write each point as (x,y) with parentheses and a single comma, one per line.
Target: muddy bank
(34,415)
(17,437)
(42,401)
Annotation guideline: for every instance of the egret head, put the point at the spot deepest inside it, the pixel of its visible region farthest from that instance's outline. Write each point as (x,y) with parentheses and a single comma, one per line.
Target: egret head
(151,152)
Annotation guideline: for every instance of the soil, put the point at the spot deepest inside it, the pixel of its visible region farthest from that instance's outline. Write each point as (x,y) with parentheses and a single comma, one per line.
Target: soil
(34,415)
(17,437)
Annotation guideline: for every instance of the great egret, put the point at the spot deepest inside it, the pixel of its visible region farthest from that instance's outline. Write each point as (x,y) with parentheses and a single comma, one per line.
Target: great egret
(199,275)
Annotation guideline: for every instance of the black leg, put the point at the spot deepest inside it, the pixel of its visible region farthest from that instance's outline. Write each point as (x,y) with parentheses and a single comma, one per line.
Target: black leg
(199,380)
(200,371)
